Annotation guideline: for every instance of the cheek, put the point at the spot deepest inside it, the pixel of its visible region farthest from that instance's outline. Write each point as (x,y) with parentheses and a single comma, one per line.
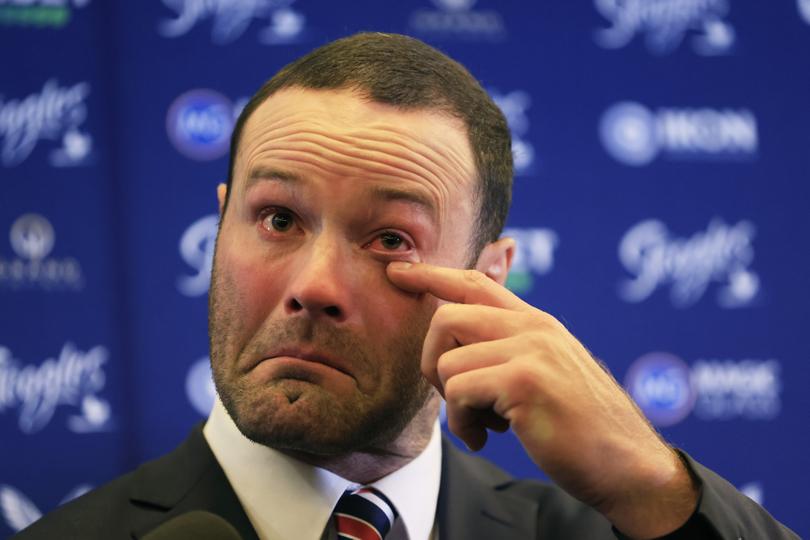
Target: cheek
(254,286)
(391,313)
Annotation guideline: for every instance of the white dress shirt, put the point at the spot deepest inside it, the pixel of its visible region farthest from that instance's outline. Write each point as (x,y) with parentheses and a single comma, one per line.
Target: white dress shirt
(285,498)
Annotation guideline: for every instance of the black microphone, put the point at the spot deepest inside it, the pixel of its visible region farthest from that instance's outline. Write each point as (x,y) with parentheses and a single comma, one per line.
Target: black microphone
(195,525)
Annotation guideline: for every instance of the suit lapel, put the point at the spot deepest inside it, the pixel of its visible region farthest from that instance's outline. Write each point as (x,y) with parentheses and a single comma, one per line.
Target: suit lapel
(189,478)
(471,505)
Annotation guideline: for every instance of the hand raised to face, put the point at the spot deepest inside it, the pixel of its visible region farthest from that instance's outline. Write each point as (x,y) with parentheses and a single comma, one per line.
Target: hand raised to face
(500,362)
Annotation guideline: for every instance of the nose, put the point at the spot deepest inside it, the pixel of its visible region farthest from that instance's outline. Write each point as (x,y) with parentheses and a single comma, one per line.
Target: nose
(320,283)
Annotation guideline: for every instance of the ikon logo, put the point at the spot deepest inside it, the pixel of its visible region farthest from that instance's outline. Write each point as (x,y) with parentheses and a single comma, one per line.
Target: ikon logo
(635,135)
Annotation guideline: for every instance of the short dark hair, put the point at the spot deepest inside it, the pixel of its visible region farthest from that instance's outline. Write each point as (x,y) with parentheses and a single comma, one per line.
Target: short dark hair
(406,73)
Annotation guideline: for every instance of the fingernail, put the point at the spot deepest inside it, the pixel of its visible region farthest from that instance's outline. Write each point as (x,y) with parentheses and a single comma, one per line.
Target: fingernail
(400,265)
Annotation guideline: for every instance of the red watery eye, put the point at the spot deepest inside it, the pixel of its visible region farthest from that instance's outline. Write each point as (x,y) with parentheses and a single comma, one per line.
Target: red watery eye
(391,241)
(279,220)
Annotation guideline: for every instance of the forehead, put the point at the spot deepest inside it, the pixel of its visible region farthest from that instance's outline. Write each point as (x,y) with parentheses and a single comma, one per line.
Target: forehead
(342,133)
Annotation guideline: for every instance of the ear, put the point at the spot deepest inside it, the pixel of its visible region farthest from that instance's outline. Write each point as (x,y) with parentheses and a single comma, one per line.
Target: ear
(496,259)
(222,193)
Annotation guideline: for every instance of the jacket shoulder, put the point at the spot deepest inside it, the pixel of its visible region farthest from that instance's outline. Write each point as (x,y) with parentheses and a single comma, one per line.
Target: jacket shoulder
(97,514)
(120,506)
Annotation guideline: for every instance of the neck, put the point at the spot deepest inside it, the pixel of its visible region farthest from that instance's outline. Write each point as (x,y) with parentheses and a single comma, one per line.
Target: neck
(370,464)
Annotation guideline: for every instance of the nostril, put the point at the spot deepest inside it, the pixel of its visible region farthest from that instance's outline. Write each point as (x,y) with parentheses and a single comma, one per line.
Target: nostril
(295,305)
(332,311)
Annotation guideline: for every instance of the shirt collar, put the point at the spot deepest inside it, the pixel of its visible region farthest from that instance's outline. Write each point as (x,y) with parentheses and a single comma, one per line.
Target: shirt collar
(285,498)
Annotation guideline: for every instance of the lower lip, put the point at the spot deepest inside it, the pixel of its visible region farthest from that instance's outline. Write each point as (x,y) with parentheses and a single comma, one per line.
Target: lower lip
(288,366)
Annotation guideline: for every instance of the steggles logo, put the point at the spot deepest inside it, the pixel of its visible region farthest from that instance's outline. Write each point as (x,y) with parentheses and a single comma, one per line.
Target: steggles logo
(722,253)
(73,378)
(665,24)
(57,111)
(197,250)
(233,17)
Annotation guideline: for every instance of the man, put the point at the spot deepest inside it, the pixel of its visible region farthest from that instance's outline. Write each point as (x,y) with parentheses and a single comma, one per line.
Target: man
(358,278)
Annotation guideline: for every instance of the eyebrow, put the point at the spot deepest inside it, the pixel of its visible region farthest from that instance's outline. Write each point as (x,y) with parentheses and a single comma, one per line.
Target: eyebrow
(264,173)
(416,198)
(409,196)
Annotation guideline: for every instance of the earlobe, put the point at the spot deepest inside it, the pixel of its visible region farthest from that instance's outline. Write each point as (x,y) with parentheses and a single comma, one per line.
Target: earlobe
(222,192)
(496,259)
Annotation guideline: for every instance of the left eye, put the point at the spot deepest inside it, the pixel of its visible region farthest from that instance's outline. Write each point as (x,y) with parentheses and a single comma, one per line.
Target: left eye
(390,241)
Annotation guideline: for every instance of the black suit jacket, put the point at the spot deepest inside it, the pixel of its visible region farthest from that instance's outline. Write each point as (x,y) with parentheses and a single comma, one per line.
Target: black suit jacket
(476,500)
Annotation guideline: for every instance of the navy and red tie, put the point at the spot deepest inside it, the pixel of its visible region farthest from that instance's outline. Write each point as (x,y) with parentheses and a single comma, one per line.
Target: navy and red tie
(364,514)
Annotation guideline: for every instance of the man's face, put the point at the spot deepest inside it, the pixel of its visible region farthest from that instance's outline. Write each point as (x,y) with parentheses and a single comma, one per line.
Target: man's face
(313,348)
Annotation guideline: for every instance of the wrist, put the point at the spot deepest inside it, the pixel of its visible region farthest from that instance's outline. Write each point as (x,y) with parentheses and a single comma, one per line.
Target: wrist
(660,500)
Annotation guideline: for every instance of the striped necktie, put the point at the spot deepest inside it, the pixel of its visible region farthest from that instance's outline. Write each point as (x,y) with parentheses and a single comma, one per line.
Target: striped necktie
(364,514)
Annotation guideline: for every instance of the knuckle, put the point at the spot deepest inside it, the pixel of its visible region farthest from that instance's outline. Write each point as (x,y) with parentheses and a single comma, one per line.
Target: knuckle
(444,315)
(536,342)
(526,376)
(444,367)
(452,393)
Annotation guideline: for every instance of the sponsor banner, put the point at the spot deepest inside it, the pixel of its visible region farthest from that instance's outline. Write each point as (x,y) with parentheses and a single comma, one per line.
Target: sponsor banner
(74,378)
(197,251)
(754,491)
(199,123)
(534,256)
(804,9)
(514,105)
(457,20)
(56,113)
(721,254)
(666,24)
(39,13)
(19,511)
(277,21)
(669,390)
(32,239)
(635,135)
(200,389)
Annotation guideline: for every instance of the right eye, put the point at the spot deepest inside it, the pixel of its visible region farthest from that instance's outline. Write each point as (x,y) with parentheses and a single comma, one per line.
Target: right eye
(277,220)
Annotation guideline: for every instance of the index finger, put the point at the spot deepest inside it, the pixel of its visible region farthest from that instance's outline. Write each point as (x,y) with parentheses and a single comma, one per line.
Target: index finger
(462,286)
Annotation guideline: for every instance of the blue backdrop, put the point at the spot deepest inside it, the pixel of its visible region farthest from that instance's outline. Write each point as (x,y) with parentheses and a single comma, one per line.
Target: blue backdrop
(662,152)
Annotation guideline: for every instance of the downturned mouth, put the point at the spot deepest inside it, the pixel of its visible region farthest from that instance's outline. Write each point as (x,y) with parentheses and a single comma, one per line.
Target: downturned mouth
(312,356)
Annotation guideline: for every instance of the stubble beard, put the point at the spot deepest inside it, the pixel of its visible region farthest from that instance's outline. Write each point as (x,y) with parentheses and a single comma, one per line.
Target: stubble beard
(299,417)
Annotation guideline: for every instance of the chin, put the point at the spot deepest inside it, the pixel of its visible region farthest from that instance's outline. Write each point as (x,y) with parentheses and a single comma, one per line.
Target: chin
(302,418)
(295,416)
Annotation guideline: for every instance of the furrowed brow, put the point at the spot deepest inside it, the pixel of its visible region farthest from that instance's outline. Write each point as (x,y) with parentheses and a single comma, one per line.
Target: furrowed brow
(264,174)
